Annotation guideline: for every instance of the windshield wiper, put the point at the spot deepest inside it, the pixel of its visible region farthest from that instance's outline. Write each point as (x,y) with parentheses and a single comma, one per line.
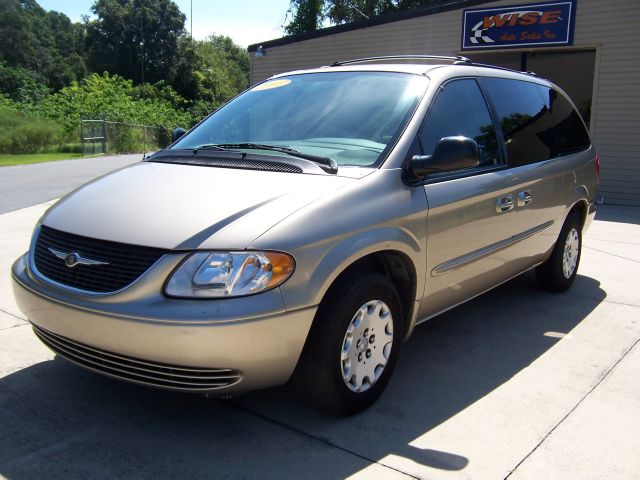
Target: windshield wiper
(326,163)
(217,148)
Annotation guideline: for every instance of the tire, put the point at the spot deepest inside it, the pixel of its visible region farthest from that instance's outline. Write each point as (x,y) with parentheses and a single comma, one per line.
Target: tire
(320,376)
(558,273)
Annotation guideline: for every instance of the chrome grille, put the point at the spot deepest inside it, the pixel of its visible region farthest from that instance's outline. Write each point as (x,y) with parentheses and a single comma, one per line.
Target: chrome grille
(125,262)
(161,375)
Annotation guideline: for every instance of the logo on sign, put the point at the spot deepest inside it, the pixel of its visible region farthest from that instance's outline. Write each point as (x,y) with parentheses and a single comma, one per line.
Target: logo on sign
(530,25)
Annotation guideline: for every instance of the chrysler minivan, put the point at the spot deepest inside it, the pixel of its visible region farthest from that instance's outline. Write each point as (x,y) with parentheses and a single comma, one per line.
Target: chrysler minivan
(301,232)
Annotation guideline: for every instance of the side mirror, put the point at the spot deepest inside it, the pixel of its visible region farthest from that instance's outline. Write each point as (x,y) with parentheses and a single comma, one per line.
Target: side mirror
(177,133)
(451,153)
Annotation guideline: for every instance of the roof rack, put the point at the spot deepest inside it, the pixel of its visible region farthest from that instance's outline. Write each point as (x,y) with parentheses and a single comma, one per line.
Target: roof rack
(484,65)
(458,60)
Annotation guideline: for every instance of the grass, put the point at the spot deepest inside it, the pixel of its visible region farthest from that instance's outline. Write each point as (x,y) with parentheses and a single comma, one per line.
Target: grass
(9,160)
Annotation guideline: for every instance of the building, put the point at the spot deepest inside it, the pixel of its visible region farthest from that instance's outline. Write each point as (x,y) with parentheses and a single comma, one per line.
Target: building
(587,47)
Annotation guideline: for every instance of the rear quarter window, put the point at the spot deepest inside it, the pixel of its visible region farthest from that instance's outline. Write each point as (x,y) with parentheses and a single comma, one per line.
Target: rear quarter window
(538,123)
(570,134)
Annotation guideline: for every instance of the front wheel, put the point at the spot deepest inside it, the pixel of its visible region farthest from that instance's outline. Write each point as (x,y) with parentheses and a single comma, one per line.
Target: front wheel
(559,271)
(352,347)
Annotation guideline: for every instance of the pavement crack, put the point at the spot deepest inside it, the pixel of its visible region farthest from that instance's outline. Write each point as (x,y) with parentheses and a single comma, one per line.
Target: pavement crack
(611,241)
(318,439)
(612,254)
(621,303)
(602,378)
(13,315)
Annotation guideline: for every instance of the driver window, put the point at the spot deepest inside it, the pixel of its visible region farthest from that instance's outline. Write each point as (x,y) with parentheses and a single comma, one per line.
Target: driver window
(460,109)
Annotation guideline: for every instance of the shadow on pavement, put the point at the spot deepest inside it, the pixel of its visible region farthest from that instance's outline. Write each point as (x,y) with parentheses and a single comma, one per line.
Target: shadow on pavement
(618,213)
(60,421)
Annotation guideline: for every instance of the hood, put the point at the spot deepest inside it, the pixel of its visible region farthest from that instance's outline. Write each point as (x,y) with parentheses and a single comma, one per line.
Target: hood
(175,206)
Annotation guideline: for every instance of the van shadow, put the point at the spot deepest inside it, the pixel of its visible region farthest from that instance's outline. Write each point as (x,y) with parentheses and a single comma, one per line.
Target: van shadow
(61,421)
(449,363)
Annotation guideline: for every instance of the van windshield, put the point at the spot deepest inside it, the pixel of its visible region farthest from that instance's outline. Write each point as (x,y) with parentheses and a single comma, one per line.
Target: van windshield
(351,117)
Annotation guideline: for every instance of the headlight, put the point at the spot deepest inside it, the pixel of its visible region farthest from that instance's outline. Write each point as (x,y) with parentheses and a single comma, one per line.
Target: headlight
(229,274)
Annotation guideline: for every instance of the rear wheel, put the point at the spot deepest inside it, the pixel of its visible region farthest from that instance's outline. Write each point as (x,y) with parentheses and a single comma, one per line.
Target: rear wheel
(558,273)
(353,345)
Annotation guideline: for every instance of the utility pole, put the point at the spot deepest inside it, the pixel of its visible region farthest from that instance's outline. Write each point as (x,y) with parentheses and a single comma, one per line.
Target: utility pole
(191,18)
(144,132)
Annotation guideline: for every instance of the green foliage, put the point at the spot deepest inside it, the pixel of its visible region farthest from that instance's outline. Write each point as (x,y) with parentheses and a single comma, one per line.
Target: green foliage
(45,89)
(44,50)
(21,85)
(125,30)
(309,15)
(24,133)
(117,99)
(46,43)
(225,68)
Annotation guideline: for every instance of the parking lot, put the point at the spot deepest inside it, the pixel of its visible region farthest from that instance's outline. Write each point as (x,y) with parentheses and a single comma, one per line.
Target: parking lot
(518,383)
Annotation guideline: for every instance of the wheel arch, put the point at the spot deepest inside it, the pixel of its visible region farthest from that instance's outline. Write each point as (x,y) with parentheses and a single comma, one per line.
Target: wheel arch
(580,208)
(398,260)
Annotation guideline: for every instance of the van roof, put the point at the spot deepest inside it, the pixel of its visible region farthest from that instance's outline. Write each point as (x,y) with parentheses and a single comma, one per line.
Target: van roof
(418,69)
(418,65)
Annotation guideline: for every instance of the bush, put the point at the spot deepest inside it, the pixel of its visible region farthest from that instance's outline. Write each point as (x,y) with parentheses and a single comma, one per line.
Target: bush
(21,85)
(24,133)
(53,122)
(117,100)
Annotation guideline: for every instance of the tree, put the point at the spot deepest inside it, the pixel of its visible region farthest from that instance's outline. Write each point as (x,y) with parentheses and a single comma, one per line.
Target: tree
(46,43)
(225,67)
(128,31)
(309,15)
(347,11)
(21,85)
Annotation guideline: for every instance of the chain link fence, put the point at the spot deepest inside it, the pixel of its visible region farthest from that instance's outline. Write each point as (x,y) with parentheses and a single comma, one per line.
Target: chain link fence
(98,135)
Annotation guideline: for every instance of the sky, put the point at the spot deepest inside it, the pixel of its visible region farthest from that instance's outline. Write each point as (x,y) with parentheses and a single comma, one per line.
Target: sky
(245,21)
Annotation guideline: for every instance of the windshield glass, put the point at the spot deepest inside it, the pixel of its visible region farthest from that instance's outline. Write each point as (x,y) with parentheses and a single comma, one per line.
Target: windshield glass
(349,116)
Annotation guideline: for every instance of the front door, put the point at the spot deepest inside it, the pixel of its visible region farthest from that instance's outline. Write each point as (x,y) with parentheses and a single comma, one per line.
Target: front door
(470,216)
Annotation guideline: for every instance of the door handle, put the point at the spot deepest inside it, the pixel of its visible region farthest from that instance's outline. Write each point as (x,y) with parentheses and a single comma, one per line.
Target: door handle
(524,198)
(504,203)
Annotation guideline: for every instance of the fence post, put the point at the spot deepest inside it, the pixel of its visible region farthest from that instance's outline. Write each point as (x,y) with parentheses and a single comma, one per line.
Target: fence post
(82,134)
(103,123)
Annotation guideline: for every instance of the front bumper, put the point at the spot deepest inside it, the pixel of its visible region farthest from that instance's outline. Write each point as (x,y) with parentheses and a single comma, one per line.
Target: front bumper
(253,340)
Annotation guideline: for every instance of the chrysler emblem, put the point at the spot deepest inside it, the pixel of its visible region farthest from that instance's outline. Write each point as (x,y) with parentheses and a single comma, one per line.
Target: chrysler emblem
(71,259)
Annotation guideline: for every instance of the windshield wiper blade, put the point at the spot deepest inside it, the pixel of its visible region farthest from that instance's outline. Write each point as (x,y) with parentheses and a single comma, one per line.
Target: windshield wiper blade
(326,163)
(217,148)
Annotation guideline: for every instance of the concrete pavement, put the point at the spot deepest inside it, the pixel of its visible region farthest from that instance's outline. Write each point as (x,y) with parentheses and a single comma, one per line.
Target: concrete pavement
(25,185)
(518,383)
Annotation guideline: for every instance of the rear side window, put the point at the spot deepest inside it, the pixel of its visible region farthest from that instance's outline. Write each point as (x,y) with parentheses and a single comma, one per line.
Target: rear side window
(537,122)
(570,133)
(460,109)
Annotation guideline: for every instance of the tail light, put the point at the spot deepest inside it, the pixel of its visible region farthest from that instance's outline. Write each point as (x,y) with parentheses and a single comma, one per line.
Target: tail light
(597,168)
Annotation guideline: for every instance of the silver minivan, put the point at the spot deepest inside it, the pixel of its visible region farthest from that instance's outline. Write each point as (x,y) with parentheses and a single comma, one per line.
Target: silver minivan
(302,231)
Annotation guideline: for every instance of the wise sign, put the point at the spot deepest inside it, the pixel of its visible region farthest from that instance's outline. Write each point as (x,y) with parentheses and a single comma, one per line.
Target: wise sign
(529,25)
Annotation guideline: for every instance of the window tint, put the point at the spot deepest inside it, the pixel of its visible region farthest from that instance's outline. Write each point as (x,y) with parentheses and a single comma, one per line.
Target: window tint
(538,123)
(569,131)
(528,130)
(460,109)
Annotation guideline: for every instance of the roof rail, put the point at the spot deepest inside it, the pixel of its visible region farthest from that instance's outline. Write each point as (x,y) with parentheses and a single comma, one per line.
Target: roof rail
(484,65)
(458,60)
